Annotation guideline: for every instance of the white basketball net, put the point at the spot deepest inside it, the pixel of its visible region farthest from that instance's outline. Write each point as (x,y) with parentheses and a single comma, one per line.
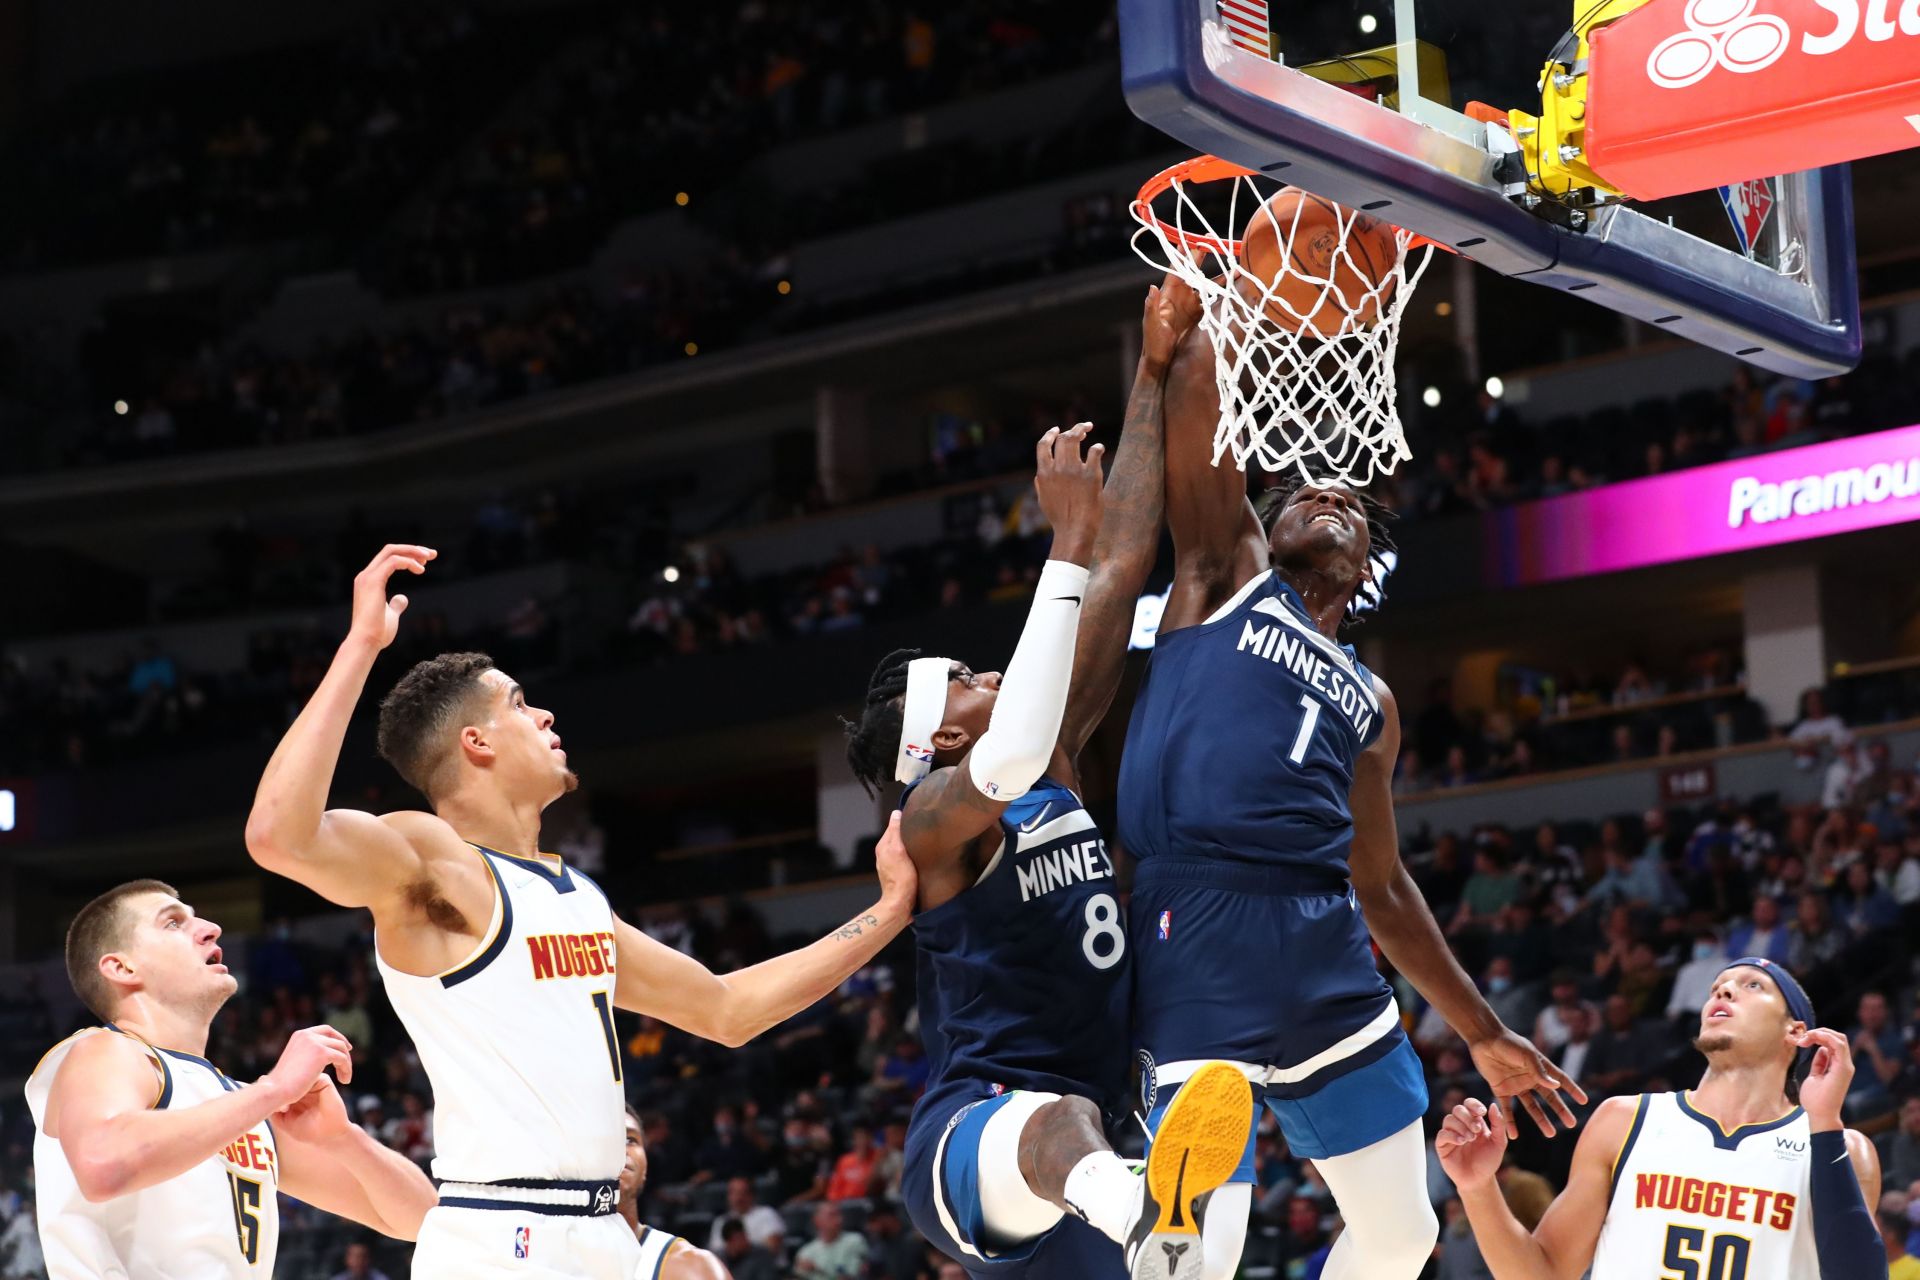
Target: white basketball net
(1318,398)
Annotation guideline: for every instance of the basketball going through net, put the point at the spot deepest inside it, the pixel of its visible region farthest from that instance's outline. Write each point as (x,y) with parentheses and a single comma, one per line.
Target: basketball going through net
(1304,314)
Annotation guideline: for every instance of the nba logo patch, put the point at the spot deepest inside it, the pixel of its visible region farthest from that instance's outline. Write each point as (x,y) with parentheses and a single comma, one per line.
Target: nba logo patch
(1166,925)
(923,754)
(998,1089)
(523,1242)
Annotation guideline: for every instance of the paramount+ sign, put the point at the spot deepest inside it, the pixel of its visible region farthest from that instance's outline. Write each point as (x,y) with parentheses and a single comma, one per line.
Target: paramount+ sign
(1863,482)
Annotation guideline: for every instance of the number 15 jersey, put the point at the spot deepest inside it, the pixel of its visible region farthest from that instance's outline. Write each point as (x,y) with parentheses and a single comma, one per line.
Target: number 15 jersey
(517,1040)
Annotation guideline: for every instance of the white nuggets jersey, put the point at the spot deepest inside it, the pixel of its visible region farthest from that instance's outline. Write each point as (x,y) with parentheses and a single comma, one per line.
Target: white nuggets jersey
(655,1245)
(220,1220)
(517,1039)
(1692,1200)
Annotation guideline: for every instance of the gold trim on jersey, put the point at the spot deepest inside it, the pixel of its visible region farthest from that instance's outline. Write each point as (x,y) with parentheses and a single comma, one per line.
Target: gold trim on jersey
(1627,1138)
(154,1059)
(494,924)
(1687,1107)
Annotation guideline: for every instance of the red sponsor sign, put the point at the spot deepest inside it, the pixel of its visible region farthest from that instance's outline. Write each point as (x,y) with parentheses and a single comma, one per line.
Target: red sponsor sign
(1689,94)
(1688,783)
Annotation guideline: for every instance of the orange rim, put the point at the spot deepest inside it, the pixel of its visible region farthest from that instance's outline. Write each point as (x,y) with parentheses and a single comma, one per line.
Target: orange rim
(1209,169)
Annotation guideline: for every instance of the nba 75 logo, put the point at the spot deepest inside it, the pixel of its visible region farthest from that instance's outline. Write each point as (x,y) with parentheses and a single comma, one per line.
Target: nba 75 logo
(522,1242)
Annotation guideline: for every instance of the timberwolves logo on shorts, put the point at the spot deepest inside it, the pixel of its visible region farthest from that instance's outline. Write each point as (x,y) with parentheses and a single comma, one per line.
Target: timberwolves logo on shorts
(1149,1082)
(522,1242)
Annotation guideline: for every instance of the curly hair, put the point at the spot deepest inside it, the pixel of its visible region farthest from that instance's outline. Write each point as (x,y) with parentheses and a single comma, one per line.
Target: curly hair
(873,741)
(1382,551)
(437,695)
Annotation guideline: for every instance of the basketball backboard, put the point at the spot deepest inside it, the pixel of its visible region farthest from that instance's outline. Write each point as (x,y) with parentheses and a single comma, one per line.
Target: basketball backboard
(1366,102)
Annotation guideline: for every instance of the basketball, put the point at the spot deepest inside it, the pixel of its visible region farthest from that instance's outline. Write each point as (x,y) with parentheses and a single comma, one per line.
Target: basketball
(1318,277)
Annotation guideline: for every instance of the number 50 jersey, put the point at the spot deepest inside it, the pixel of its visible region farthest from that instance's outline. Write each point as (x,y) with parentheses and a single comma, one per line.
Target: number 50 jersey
(1023,976)
(1693,1200)
(517,1040)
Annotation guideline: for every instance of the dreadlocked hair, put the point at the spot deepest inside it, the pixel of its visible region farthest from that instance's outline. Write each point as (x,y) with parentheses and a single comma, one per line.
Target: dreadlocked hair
(1382,551)
(873,741)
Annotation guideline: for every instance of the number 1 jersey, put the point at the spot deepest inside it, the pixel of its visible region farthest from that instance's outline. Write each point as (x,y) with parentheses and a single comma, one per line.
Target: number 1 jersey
(518,1040)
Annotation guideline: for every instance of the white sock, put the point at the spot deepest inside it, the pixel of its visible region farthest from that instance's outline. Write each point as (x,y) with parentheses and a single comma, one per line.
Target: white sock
(1106,1192)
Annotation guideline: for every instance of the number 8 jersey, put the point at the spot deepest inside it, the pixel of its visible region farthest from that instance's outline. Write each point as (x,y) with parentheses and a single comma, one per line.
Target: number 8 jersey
(1692,1201)
(517,1040)
(1023,980)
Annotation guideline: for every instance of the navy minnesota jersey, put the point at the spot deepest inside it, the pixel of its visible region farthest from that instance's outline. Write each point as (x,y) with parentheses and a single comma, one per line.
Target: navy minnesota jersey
(1244,737)
(1023,975)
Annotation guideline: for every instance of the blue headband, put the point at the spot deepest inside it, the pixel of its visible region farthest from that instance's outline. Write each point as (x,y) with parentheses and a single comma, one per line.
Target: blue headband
(1792,992)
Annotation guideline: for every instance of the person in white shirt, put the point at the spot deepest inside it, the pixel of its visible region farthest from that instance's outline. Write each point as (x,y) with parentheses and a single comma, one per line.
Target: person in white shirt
(765,1227)
(1694,981)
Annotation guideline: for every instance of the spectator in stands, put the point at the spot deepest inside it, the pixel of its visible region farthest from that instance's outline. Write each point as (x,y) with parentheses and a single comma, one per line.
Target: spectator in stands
(20,1255)
(1897,869)
(1489,890)
(1303,1236)
(1878,1051)
(893,1251)
(1552,1028)
(1693,983)
(853,1172)
(1515,1003)
(1901,1265)
(1900,1147)
(1813,940)
(763,1225)
(1848,770)
(725,1152)
(744,1259)
(1624,1056)
(802,1169)
(1816,726)
(359,1264)
(1575,1053)
(1863,907)
(1763,935)
(411,1132)
(832,1254)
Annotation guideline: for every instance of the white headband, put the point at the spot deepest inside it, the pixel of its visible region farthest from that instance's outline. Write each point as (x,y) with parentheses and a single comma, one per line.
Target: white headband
(921,716)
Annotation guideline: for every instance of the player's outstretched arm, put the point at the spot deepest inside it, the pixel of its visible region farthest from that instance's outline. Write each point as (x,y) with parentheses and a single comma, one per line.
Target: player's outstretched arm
(347,857)
(1403,925)
(1135,502)
(101,1110)
(1471,1144)
(333,1165)
(1217,541)
(733,1008)
(952,807)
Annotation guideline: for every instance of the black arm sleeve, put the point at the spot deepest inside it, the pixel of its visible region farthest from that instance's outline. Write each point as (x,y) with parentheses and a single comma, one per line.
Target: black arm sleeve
(1844,1235)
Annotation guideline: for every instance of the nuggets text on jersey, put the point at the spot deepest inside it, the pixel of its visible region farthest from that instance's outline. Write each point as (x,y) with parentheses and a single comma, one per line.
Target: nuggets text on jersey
(571,955)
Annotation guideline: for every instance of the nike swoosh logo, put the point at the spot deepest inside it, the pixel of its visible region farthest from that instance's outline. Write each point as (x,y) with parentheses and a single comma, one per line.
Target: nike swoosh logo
(1179,1218)
(1074,599)
(1842,1156)
(1028,828)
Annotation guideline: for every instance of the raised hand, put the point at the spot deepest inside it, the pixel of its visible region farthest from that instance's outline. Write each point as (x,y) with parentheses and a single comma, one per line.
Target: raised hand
(320,1115)
(1516,1070)
(1825,1089)
(375,617)
(899,879)
(1471,1144)
(1172,308)
(309,1052)
(1069,487)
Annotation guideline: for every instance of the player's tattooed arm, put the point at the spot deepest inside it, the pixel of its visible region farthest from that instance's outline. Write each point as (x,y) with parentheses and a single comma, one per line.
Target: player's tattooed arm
(1129,540)
(350,858)
(735,1007)
(1403,925)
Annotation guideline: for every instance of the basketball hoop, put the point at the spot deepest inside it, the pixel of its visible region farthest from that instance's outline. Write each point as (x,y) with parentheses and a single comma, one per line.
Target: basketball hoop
(1304,361)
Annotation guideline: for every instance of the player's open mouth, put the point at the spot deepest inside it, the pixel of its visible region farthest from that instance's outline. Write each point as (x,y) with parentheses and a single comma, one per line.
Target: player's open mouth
(1715,1012)
(1330,517)
(213,960)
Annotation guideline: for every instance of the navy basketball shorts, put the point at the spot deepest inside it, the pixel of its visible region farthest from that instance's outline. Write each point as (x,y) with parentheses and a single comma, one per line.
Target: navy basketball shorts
(1270,968)
(940,1183)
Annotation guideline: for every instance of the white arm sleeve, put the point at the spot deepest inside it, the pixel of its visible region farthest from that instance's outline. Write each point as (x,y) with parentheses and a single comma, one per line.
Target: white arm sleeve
(1014,751)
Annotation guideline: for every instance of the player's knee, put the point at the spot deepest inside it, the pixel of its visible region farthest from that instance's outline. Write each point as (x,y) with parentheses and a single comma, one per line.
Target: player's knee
(1055,1136)
(1398,1244)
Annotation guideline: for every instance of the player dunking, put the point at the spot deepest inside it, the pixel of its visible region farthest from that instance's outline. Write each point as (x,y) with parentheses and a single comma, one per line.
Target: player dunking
(1023,974)
(148,1160)
(1748,1177)
(504,964)
(1255,791)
